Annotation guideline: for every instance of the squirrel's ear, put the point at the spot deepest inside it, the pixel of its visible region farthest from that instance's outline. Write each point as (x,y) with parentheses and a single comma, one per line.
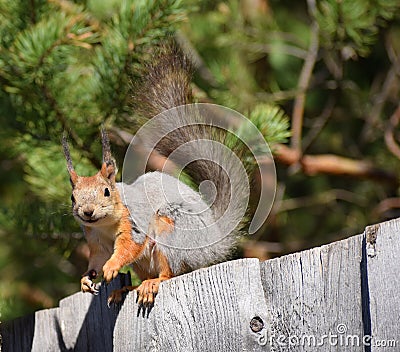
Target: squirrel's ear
(108,171)
(73,177)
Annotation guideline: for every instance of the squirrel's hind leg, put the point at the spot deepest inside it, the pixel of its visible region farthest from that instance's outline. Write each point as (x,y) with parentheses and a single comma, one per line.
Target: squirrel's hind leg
(148,289)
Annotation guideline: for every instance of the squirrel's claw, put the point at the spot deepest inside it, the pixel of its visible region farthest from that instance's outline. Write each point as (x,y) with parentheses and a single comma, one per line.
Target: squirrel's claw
(115,297)
(147,291)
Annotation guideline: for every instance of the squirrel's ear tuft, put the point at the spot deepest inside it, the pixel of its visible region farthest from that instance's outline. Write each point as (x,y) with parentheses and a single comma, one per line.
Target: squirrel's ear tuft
(108,171)
(73,177)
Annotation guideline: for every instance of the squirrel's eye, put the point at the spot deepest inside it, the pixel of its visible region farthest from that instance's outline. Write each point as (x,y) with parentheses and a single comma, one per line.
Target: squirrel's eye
(72,198)
(106,192)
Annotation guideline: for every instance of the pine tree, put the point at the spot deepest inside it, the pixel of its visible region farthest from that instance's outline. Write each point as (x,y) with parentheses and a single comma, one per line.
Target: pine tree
(64,65)
(67,64)
(333,66)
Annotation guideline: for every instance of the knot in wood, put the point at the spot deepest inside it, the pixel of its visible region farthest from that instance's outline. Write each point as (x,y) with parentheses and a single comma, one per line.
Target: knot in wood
(256,324)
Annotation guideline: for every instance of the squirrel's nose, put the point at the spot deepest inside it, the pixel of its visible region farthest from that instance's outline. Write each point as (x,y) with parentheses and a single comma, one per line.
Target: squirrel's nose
(88,213)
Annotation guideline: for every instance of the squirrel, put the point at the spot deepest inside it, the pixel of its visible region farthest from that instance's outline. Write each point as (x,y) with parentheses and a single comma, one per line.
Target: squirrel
(148,232)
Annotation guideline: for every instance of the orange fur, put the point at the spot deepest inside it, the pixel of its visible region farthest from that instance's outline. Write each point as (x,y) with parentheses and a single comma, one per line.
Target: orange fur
(124,242)
(106,220)
(126,250)
(161,224)
(149,288)
(107,223)
(164,267)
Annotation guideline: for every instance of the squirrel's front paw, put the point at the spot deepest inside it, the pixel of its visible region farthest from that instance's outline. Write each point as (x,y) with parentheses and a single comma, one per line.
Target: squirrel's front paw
(111,269)
(87,285)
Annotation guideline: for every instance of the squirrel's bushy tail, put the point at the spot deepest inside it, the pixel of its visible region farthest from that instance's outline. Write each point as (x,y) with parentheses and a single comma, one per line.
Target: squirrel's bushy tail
(165,82)
(165,85)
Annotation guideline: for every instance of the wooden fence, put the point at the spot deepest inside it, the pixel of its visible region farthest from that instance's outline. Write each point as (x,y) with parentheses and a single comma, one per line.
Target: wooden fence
(344,296)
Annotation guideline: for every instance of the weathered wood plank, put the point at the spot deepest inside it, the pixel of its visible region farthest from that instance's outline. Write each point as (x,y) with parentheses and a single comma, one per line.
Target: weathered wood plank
(312,295)
(131,331)
(46,332)
(87,323)
(209,309)
(383,265)
(82,323)
(323,299)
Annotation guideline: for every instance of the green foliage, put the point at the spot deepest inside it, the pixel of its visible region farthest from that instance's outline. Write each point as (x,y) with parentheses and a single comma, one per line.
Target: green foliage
(67,65)
(352,26)
(64,65)
(273,125)
(272,122)
(255,52)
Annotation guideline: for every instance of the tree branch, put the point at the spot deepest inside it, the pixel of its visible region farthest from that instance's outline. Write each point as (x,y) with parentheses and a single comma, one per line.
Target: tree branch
(389,137)
(304,81)
(386,205)
(379,100)
(333,165)
(310,164)
(33,11)
(319,199)
(319,123)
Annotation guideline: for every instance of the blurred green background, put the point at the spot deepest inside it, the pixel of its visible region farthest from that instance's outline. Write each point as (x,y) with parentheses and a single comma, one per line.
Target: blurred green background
(332,66)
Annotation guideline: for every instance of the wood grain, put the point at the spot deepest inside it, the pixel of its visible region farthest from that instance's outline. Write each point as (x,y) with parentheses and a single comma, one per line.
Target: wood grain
(324,299)
(383,266)
(313,294)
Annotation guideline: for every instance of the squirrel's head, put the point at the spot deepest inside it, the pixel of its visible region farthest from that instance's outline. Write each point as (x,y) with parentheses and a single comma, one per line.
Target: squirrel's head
(95,199)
